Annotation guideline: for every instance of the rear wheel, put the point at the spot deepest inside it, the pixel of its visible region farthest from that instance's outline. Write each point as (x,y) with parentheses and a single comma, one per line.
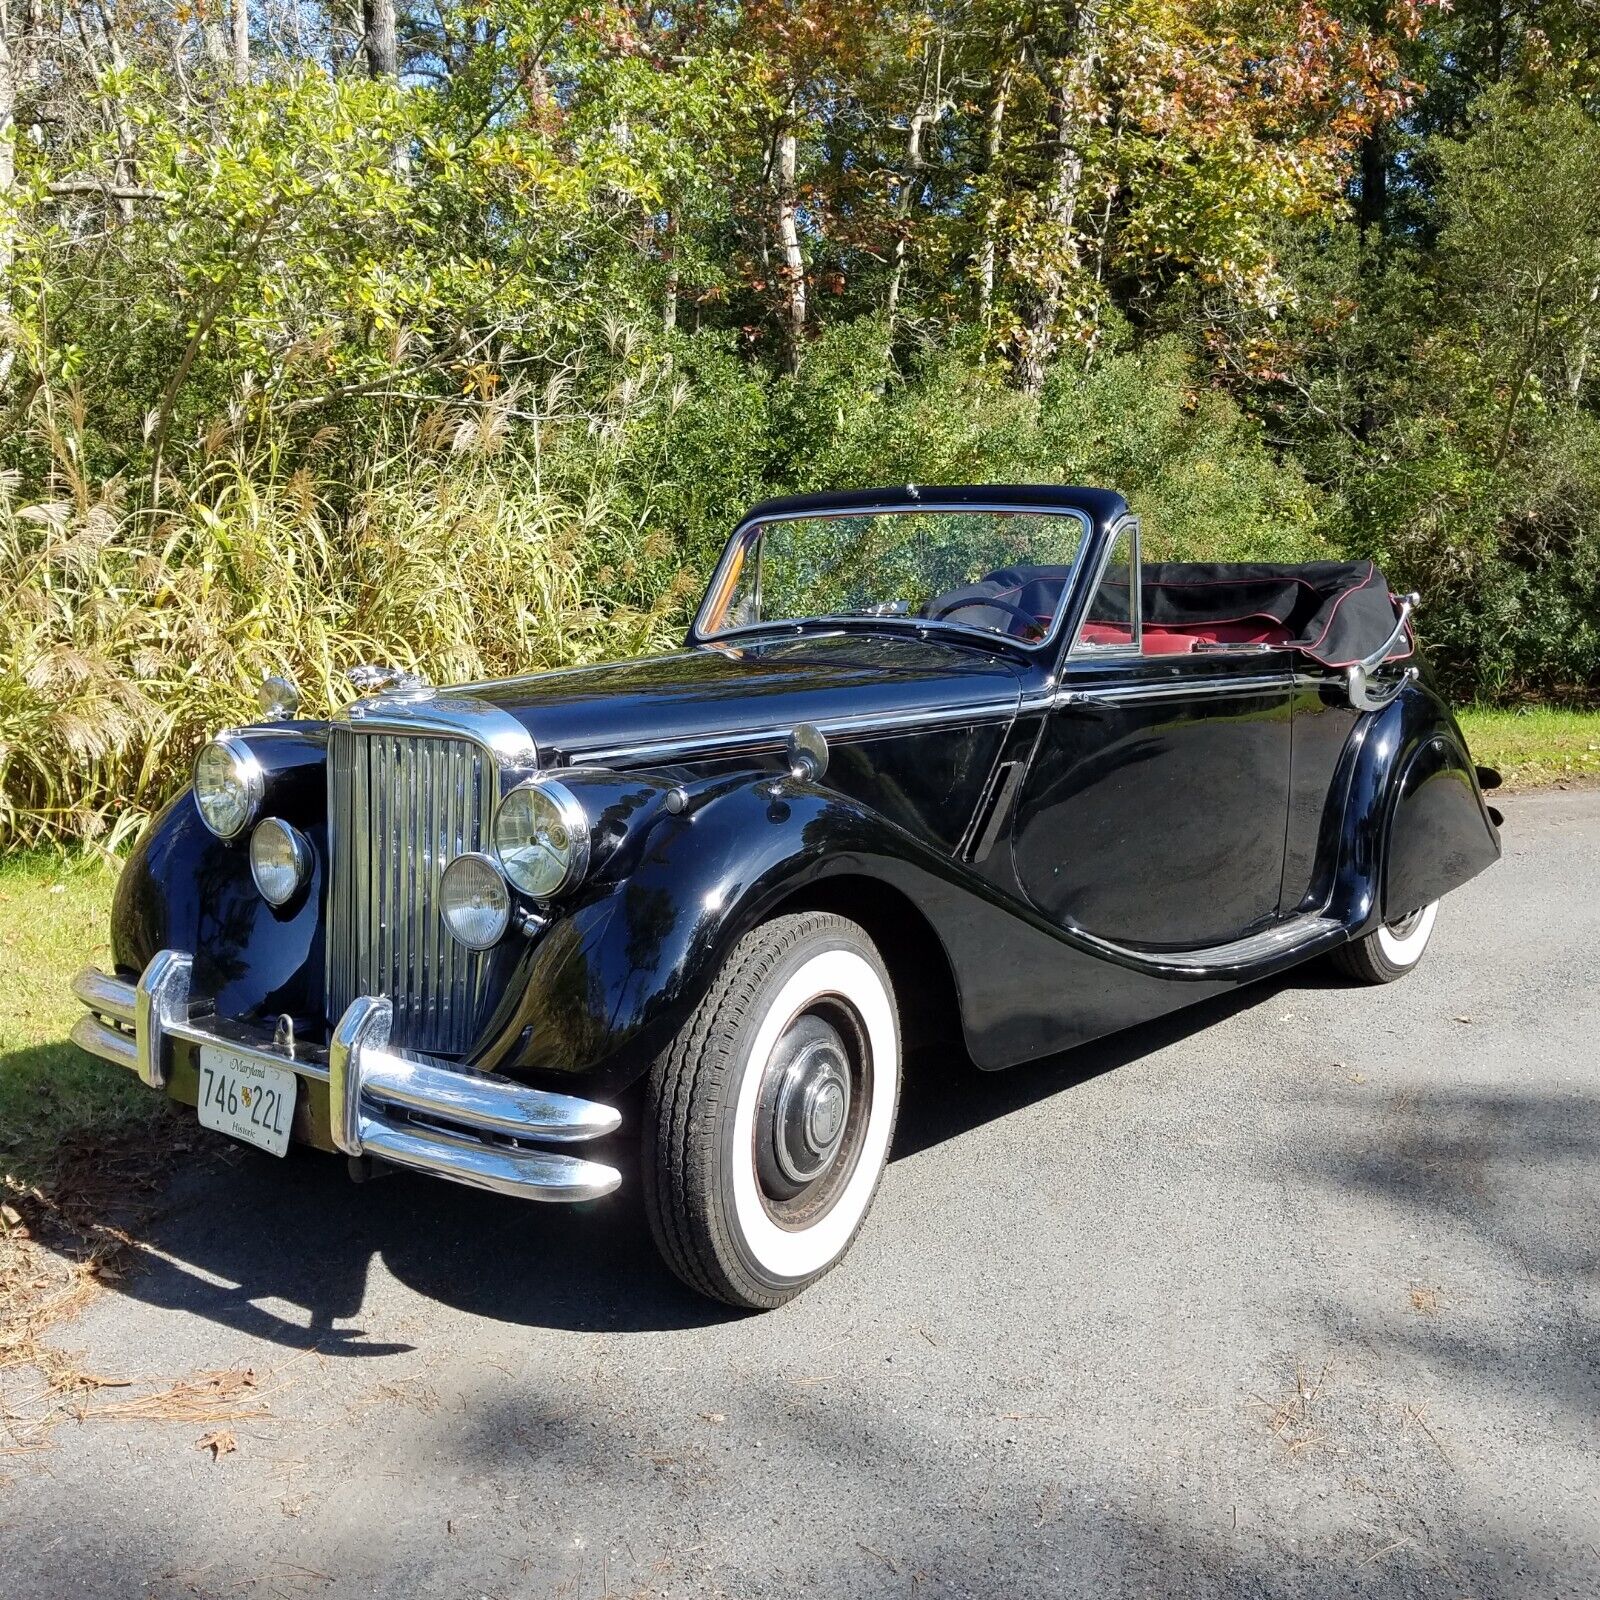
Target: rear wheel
(1391,950)
(768,1120)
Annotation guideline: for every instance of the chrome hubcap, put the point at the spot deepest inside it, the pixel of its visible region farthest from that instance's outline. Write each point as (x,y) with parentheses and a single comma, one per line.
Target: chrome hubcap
(1403,927)
(809,1091)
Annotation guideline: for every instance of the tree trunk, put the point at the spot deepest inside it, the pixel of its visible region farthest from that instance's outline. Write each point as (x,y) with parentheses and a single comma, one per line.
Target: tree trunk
(993,139)
(1072,76)
(241,42)
(930,107)
(669,298)
(1373,212)
(793,270)
(902,209)
(383,52)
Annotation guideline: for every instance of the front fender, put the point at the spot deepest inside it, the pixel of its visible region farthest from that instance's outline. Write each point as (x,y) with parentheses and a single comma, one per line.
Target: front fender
(182,888)
(604,989)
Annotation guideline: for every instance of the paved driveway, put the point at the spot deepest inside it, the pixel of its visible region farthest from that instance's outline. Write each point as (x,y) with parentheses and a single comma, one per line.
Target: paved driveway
(1295,1294)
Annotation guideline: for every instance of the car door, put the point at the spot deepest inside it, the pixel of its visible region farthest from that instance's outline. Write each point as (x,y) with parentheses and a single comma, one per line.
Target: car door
(1154,808)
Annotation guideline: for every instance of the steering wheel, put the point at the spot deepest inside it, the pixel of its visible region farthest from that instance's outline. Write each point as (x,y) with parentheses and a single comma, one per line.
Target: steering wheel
(1030,623)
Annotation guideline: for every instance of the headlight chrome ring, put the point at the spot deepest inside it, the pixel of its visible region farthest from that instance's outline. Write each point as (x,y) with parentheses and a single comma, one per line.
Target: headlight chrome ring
(541,837)
(280,860)
(474,901)
(228,785)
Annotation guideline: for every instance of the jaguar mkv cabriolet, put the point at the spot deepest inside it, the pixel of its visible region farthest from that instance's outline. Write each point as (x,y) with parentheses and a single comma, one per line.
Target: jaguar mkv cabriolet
(950,761)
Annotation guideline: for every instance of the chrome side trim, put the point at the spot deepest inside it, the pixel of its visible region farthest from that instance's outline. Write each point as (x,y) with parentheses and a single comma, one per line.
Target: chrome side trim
(1175,689)
(1294,937)
(477,1122)
(750,741)
(456,716)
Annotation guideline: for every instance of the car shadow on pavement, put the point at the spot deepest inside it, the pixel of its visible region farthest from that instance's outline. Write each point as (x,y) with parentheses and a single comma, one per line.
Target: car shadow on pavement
(281,1250)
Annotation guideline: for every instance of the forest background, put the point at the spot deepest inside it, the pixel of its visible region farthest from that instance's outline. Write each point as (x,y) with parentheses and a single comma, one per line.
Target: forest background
(459,334)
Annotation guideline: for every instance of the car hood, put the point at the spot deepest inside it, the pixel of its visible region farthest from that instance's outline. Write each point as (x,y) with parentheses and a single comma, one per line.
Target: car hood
(603,712)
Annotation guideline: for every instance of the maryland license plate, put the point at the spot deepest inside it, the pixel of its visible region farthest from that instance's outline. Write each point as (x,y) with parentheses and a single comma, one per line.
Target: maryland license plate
(247,1099)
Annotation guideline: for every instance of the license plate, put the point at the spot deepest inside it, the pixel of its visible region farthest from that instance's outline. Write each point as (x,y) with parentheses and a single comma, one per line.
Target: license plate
(246,1099)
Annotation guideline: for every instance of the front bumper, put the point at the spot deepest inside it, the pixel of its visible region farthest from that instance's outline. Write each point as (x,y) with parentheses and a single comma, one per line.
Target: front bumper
(409,1110)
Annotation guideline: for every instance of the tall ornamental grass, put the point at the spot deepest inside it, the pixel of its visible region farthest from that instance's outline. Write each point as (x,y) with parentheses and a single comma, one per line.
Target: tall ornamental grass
(127,636)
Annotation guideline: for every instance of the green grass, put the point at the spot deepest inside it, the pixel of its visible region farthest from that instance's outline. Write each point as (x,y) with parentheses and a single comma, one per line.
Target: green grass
(54,917)
(1534,746)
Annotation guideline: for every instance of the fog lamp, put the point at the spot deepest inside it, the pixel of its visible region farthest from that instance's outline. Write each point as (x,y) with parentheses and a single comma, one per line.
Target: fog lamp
(474,902)
(280,860)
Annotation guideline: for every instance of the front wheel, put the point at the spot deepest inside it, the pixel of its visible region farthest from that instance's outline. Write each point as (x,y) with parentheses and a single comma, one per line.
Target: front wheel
(768,1119)
(1391,950)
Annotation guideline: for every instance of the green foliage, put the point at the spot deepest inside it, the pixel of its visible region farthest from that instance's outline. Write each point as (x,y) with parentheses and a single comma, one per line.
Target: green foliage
(471,360)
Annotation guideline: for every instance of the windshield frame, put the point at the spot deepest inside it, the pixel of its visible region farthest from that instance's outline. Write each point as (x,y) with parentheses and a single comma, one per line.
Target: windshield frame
(748,534)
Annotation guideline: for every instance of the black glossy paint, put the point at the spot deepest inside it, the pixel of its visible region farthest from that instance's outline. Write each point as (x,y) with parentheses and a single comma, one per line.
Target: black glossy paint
(1046,854)
(183,888)
(1160,822)
(760,683)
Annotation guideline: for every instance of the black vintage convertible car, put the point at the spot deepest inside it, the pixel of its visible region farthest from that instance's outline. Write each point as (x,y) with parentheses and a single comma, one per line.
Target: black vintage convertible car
(950,762)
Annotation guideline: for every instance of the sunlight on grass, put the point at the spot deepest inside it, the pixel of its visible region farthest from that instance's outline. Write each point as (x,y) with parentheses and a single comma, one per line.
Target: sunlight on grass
(1535,745)
(54,917)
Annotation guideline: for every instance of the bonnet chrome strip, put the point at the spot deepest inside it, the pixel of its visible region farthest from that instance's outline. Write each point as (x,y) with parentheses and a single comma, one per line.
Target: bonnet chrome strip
(755,740)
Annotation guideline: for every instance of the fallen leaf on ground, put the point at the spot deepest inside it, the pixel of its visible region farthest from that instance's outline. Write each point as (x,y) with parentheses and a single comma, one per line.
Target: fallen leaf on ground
(220,1442)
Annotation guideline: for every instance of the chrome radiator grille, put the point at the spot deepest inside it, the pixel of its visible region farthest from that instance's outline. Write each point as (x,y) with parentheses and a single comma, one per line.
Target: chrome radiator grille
(399,807)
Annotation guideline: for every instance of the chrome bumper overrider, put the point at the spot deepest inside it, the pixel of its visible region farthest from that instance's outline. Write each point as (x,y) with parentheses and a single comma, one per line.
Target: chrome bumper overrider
(411,1110)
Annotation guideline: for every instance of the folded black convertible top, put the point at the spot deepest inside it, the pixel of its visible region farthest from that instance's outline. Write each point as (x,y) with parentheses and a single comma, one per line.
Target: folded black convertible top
(1336,612)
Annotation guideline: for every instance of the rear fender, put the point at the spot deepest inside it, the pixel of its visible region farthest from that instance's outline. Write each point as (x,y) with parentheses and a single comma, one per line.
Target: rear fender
(1414,824)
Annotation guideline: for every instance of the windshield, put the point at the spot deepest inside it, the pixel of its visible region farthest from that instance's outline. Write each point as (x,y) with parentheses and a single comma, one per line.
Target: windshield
(999,572)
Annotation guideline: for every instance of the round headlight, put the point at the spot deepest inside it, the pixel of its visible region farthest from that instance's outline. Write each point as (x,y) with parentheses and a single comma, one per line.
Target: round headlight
(228,784)
(541,834)
(280,860)
(474,901)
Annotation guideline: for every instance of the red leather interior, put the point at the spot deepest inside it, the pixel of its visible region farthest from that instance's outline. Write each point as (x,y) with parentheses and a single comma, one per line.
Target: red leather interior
(1171,641)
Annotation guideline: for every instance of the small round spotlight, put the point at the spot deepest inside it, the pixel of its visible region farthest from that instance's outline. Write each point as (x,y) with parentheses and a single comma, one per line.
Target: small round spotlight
(280,860)
(474,901)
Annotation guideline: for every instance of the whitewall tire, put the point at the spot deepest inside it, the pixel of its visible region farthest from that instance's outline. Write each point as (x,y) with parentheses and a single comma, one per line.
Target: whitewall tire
(768,1121)
(1391,950)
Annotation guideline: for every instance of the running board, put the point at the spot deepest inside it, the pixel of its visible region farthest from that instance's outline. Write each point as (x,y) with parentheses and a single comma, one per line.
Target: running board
(1254,956)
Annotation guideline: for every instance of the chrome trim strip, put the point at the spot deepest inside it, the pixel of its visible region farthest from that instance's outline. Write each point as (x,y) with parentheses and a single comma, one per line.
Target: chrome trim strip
(1174,689)
(373,1090)
(866,725)
(1221,960)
